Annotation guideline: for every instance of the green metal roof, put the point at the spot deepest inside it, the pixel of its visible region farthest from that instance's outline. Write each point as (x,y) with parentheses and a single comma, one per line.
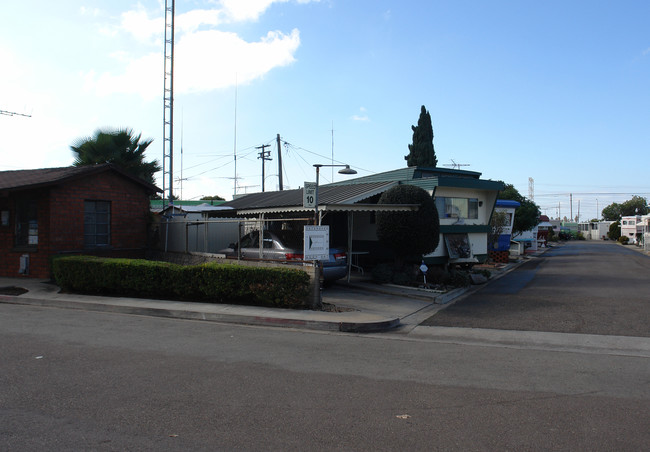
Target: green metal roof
(429,178)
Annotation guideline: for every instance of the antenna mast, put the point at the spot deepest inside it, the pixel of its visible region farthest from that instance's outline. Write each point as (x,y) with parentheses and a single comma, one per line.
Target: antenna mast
(13,113)
(234,150)
(455,165)
(332,150)
(168,106)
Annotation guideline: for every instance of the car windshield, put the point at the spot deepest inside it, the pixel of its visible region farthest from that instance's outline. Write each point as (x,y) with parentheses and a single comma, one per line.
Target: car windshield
(290,238)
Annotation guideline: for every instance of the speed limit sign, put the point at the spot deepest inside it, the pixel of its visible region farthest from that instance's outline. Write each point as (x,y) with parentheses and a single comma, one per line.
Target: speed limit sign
(309,195)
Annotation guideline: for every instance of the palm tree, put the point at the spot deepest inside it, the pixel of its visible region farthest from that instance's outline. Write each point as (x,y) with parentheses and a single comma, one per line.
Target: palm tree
(119,147)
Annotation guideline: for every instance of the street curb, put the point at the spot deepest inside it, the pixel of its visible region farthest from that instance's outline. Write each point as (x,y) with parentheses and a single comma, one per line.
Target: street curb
(251,320)
(414,293)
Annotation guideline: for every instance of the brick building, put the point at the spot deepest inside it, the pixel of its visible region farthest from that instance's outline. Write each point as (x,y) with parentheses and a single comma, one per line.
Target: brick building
(98,209)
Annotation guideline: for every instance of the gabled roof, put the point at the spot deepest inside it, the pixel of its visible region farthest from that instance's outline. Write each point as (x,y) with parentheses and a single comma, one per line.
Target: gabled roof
(327,195)
(330,197)
(38,178)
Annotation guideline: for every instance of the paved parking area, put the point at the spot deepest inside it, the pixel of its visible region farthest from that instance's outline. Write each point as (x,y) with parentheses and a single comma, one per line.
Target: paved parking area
(580,287)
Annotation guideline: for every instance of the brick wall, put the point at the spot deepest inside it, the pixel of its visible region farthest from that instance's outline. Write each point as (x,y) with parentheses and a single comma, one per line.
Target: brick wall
(61,222)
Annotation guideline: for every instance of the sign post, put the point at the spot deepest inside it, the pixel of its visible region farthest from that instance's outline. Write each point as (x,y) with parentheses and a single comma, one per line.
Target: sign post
(309,195)
(316,248)
(317,243)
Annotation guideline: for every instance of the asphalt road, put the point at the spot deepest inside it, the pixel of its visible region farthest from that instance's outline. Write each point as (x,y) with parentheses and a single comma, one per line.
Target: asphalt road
(76,380)
(587,287)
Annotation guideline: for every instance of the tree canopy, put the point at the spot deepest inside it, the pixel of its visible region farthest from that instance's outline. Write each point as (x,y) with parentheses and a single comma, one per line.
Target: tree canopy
(120,147)
(527,215)
(638,205)
(614,231)
(421,151)
(409,234)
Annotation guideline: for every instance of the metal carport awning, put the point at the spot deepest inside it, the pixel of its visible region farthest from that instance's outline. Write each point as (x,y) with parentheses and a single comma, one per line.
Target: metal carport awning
(332,208)
(324,208)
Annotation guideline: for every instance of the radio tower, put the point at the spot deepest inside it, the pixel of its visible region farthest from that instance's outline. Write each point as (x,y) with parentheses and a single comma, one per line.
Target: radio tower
(531,189)
(168,106)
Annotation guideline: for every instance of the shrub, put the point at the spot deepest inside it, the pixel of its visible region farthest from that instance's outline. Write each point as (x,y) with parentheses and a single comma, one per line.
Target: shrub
(402,278)
(409,234)
(382,273)
(213,282)
(459,279)
(437,274)
(623,240)
(614,231)
(483,272)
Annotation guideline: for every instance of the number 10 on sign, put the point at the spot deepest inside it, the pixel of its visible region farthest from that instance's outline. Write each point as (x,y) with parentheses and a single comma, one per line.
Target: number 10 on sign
(309,195)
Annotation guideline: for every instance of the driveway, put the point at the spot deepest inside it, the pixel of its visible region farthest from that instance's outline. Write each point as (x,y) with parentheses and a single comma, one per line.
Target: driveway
(586,287)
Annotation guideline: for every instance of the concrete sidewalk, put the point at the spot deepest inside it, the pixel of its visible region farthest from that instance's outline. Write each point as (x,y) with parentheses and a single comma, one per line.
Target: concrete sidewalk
(359,306)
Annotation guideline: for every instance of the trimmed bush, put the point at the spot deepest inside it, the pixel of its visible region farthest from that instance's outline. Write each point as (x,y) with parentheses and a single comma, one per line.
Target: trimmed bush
(212,282)
(614,231)
(623,240)
(383,273)
(409,234)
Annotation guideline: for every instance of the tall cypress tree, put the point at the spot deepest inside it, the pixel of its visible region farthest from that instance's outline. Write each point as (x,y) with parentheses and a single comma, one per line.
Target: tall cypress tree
(421,152)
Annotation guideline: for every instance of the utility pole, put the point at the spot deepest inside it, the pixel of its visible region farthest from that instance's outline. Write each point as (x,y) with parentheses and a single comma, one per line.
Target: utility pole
(571,201)
(264,155)
(279,163)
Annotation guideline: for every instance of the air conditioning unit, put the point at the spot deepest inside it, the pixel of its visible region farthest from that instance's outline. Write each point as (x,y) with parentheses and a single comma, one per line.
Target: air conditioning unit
(24,265)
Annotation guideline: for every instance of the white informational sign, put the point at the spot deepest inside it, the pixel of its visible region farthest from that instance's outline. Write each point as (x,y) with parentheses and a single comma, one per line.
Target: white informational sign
(309,195)
(317,243)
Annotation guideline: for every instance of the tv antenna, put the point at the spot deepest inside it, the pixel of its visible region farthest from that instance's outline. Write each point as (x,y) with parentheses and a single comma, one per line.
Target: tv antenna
(13,113)
(455,165)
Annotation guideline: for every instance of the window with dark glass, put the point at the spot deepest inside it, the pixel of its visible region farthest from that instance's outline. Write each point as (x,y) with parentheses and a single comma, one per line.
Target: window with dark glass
(26,223)
(466,208)
(97,223)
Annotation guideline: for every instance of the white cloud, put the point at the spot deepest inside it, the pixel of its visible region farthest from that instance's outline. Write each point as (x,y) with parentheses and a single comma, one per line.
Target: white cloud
(93,12)
(29,142)
(141,26)
(204,59)
(239,11)
(140,76)
(200,59)
(362,116)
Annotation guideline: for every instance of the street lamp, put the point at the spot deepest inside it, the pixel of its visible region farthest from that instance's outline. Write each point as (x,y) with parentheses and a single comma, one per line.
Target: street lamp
(345,170)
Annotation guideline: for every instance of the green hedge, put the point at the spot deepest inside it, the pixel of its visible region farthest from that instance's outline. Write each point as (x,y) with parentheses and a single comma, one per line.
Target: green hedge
(212,282)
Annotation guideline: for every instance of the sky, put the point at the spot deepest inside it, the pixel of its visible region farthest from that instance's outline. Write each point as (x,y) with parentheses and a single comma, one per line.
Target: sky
(555,93)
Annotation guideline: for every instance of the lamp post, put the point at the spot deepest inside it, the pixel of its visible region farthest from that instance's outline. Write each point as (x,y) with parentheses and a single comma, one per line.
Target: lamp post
(345,170)
(316,299)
